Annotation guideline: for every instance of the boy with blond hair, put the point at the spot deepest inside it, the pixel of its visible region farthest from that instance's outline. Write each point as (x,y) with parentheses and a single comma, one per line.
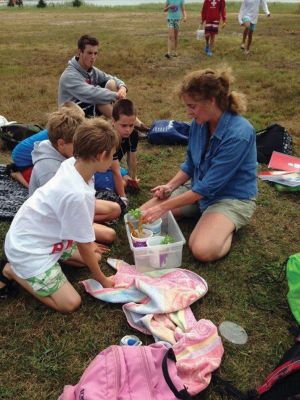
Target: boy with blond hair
(22,165)
(56,215)
(48,155)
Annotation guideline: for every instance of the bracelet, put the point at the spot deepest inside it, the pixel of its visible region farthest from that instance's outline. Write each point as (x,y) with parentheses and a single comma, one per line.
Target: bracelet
(125,200)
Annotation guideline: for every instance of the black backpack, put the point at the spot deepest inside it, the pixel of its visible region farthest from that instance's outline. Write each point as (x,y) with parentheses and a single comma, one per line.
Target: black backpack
(273,138)
(14,133)
(283,383)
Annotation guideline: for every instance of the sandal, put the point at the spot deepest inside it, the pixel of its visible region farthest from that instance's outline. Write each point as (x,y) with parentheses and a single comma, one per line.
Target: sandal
(10,289)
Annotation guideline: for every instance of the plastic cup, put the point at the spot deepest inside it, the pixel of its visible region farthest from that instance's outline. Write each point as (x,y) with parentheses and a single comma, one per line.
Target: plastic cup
(141,242)
(133,220)
(154,241)
(155,226)
(158,257)
(233,333)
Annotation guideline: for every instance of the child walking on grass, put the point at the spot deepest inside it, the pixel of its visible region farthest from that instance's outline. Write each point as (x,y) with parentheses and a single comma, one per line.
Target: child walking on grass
(58,215)
(176,12)
(248,17)
(212,12)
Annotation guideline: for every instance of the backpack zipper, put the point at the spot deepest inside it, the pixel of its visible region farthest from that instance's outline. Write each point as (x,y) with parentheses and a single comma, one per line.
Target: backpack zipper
(147,371)
(117,368)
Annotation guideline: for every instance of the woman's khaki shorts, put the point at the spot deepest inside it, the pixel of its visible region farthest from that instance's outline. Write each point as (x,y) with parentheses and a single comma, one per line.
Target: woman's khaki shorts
(238,211)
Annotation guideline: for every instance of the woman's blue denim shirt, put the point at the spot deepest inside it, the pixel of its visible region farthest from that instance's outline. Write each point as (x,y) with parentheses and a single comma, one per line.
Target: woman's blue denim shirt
(227,170)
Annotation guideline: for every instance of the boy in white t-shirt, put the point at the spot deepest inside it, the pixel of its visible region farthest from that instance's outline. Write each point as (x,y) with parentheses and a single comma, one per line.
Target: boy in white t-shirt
(47,156)
(58,213)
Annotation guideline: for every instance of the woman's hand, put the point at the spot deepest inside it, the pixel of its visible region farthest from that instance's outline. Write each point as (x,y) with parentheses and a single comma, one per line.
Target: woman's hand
(162,192)
(153,213)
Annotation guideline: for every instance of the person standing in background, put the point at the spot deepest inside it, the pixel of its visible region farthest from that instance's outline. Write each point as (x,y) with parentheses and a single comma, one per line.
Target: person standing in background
(212,12)
(176,12)
(248,17)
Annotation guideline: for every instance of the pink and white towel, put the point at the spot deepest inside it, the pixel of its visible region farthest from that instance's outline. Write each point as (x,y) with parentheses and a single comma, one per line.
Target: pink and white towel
(156,303)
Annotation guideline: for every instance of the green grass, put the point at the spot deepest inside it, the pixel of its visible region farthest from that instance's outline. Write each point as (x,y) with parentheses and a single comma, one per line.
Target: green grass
(41,350)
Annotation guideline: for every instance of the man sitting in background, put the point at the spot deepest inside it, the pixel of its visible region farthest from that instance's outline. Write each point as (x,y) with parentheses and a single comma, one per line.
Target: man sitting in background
(92,89)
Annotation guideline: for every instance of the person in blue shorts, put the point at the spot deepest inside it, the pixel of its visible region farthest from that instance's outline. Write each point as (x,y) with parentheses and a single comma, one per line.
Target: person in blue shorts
(176,12)
(248,17)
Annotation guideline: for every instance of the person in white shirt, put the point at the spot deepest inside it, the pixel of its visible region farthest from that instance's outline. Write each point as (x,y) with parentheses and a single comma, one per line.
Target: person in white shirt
(56,215)
(248,17)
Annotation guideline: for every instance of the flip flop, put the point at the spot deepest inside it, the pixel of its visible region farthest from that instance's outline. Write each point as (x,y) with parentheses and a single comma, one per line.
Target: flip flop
(10,289)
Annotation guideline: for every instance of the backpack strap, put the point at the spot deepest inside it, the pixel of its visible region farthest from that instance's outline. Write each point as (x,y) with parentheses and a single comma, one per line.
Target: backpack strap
(280,372)
(182,394)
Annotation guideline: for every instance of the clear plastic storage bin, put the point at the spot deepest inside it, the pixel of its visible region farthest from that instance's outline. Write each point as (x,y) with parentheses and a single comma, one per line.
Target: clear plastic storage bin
(161,256)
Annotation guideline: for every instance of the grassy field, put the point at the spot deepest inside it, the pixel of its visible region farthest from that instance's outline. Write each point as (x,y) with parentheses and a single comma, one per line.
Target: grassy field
(41,351)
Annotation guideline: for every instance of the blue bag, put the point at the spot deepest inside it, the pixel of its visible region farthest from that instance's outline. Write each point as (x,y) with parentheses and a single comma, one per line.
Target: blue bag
(169,132)
(104,180)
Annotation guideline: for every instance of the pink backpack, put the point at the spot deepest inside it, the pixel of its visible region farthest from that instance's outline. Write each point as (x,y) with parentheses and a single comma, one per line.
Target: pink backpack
(129,372)
(152,372)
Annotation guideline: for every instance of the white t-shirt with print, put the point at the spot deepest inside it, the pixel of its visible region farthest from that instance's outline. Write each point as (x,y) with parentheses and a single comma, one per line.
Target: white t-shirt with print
(56,214)
(250,9)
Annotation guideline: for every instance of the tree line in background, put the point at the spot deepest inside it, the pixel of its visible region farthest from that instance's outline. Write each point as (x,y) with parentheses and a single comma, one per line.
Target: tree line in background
(40,4)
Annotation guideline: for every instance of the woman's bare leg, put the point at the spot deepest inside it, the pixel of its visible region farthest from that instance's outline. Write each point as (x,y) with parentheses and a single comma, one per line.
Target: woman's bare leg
(212,236)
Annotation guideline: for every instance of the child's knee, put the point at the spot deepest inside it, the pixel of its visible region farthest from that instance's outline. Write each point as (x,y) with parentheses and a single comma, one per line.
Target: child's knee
(115,210)
(70,305)
(7,271)
(110,235)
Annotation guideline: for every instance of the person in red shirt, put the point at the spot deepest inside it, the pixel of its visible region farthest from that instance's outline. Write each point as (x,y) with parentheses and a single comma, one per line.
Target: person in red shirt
(212,12)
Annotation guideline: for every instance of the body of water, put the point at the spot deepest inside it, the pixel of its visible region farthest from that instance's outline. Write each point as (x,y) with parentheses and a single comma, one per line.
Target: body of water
(113,3)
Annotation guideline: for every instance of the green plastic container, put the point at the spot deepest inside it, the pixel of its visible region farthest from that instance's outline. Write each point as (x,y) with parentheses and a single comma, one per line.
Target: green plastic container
(293,277)
(284,188)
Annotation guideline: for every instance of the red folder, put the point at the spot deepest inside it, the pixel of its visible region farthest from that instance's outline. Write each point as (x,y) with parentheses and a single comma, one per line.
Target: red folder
(284,162)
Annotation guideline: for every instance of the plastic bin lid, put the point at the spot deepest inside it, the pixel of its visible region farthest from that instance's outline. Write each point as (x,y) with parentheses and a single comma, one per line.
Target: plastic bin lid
(233,333)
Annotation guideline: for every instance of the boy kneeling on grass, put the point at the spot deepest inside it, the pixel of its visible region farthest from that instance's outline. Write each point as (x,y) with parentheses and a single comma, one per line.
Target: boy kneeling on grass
(123,120)
(56,215)
(48,155)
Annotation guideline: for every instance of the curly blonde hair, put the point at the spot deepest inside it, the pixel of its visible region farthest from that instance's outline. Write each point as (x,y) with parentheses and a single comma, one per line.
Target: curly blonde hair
(63,122)
(208,83)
